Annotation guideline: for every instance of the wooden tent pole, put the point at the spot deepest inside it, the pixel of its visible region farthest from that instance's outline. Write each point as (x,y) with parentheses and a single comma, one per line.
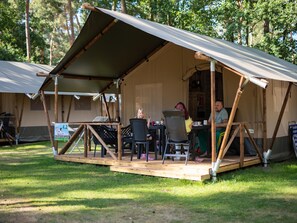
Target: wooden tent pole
(106,107)
(264,121)
(62,107)
(231,118)
(118,85)
(56,110)
(69,108)
(213,112)
(281,114)
(48,120)
(18,117)
(229,124)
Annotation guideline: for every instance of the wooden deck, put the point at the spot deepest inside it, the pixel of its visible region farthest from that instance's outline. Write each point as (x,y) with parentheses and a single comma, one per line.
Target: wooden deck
(196,171)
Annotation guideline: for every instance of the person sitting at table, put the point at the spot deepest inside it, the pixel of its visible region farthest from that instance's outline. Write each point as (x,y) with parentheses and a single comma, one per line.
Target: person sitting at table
(221,116)
(140,114)
(188,120)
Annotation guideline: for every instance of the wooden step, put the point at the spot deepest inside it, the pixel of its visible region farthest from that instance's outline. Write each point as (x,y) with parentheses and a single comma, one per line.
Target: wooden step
(195,175)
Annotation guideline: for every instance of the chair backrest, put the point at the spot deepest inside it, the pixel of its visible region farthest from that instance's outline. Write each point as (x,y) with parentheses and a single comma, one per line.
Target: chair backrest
(107,134)
(139,129)
(175,126)
(5,120)
(100,119)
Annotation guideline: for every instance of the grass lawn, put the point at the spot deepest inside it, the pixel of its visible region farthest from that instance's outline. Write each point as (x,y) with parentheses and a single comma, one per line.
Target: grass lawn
(36,188)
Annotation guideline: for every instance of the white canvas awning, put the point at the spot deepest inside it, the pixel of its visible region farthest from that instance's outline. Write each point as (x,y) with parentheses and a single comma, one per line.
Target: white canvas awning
(18,77)
(111,44)
(248,61)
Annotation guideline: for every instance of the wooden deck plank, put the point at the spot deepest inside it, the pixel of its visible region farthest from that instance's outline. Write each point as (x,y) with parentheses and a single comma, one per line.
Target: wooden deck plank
(171,169)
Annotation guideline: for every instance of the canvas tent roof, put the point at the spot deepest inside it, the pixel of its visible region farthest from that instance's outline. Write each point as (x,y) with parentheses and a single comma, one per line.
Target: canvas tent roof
(18,77)
(111,44)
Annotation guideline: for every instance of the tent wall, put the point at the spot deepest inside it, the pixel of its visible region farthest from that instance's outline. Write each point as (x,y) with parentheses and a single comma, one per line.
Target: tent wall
(157,85)
(34,125)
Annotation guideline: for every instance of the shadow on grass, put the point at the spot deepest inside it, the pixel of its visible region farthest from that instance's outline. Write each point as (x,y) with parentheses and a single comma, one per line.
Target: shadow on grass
(35,180)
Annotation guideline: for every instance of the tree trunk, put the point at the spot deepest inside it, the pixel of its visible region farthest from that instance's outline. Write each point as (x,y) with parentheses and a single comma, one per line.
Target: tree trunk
(27,27)
(71,22)
(266,26)
(51,50)
(77,22)
(114,5)
(123,6)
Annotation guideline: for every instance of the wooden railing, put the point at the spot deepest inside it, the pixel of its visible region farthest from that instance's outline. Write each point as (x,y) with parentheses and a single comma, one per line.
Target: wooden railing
(240,127)
(88,130)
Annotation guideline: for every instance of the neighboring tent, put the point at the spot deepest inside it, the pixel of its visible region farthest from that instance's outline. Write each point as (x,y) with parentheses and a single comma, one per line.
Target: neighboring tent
(19,77)
(27,122)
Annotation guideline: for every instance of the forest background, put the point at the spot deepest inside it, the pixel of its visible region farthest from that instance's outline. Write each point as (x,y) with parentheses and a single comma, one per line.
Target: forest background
(42,31)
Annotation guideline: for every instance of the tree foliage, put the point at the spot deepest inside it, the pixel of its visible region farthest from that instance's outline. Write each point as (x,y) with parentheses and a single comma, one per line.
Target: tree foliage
(267,25)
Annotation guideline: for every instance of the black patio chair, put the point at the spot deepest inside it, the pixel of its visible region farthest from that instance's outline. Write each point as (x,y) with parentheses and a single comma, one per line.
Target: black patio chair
(176,135)
(141,138)
(4,128)
(108,135)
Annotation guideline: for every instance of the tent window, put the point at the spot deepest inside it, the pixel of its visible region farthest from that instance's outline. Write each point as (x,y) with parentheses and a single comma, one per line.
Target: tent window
(149,97)
(37,105)
(84,103)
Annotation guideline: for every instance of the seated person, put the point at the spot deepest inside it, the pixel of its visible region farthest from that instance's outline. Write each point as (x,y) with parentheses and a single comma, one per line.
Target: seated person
(221,116)
(140,114)
(188,120)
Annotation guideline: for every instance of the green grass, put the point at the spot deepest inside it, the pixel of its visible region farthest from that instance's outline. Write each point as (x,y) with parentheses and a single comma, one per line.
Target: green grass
(36,188)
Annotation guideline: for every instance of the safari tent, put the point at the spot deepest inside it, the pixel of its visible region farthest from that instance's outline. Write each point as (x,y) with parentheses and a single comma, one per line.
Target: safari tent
(20,101)
(154,66)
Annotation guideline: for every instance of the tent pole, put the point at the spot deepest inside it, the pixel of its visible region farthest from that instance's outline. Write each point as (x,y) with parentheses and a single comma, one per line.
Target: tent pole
(62,107)
(267,153)
(56,111)
(118,86)
(240,89)
(213,112)
(47,119)
(264,121)
(19,119)
(106,107)
(69,108)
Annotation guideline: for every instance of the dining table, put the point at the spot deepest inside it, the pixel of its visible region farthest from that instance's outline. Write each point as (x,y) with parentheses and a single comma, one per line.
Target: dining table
(159,130)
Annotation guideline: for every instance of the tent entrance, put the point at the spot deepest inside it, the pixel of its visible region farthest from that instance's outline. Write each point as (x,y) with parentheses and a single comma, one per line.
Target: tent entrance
(199,93)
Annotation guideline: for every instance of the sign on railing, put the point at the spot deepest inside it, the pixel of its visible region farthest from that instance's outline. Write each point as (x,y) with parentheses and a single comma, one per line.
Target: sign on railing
(61,132)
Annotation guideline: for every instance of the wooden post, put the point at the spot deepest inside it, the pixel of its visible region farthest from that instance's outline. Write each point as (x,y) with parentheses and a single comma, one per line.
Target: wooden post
(281,114)
(62,107)
(18,118)
(50,132)
(106,107)
(69,108)
(213,112)
(89,140)
(56,108)
(118,100)
(119,129)
(231,118)
(85,141)
(253,142)
(264,121)
(241,140)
